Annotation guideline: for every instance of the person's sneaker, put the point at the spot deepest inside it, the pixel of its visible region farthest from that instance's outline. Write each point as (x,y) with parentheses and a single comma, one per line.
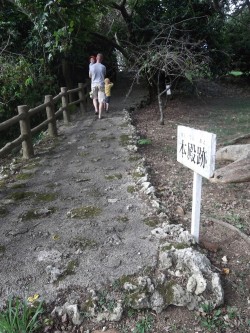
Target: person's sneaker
(96,112)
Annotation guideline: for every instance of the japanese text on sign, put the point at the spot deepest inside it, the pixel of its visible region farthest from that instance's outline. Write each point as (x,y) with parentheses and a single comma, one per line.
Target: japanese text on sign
(195,154)
(196,150)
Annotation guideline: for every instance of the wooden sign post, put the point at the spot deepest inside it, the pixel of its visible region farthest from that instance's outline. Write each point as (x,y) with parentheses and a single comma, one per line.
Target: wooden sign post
(196,150)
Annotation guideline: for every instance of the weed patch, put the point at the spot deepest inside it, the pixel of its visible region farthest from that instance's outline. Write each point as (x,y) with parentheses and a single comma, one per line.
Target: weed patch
(144,142)
(144,325)
(21,317)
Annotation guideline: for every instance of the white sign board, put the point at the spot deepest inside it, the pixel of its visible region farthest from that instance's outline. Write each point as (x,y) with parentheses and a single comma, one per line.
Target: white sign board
(196,150)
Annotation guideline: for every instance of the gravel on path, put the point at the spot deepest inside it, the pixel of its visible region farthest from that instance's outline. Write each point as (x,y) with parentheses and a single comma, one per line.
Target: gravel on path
(70,216)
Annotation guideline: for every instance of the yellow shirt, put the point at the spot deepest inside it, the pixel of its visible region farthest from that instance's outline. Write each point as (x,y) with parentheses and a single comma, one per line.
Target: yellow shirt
(108,89)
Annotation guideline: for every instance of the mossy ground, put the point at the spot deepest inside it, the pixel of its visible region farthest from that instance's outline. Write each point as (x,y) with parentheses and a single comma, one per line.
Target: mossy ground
(18,196)
(46,197)
(3,211)
(151,221)
(82,243)
(123,219)
(125,140)
(131,189)
(115,176)
(85,212)
(2,248)
(24,176)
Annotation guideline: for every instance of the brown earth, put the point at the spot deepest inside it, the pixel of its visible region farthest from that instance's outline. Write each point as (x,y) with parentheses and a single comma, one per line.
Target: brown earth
(223,205)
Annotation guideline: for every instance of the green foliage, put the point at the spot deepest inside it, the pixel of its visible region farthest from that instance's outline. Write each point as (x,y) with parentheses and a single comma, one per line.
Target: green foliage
(144,142)
(104,302)
(237,41)
(20,317)
(22,83)
(144,325)
(212,319)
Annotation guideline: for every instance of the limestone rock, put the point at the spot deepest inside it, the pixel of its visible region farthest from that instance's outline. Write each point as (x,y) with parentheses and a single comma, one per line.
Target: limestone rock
(71,310)
(114,315)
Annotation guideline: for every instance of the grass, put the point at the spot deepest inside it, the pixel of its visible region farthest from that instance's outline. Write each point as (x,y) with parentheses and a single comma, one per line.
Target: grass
(236,73)
(230,118)
(104,302)
(144,325)
(20,317)
(216,320)
(212,319)
(144,142)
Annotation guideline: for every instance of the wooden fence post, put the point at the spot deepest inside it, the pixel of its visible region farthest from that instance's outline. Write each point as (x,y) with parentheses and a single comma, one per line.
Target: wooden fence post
(83,105)
(27,145)
(66,115)
(50,110)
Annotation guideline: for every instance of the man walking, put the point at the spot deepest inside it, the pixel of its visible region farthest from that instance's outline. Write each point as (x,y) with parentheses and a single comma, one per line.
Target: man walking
(97,74)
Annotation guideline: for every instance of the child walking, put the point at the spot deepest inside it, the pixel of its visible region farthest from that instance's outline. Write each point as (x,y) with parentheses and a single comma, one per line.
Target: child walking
(108,86)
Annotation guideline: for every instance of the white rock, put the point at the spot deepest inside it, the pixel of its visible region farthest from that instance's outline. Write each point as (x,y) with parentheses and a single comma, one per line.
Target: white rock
(150,190)
(52,255)
(191,284)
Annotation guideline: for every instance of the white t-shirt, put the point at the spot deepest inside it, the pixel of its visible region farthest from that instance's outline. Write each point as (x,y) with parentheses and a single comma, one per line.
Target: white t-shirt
(97,72)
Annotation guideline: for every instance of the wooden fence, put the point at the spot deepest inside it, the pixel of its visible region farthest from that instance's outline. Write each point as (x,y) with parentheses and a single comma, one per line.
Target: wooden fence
(49,105)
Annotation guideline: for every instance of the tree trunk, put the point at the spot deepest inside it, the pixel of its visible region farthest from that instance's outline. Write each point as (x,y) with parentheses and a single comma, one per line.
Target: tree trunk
(67,76)
(160,100)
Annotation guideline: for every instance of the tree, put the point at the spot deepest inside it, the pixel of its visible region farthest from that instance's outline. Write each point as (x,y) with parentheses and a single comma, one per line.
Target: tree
(237,37)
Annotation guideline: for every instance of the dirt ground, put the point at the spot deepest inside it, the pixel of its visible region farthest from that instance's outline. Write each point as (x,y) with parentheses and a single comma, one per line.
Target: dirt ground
(217,110)
(223,205)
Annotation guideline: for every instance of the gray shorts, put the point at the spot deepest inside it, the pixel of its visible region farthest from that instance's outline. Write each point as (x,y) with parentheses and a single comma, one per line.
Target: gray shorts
(98,93)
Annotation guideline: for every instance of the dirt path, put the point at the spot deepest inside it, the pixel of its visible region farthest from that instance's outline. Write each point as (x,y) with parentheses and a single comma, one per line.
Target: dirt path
(69,217)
